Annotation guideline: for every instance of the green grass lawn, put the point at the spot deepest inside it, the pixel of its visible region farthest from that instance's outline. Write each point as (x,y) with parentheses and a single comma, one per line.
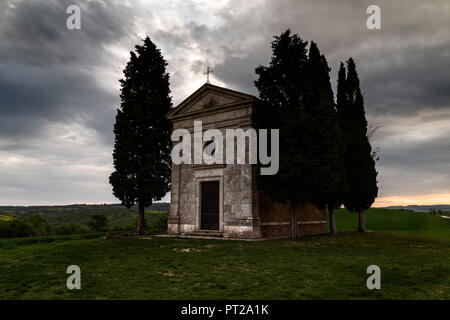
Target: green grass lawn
(321,267)
(404,221)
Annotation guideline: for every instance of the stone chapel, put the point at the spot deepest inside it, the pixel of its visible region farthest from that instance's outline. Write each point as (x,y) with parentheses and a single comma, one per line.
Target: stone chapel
(222,199)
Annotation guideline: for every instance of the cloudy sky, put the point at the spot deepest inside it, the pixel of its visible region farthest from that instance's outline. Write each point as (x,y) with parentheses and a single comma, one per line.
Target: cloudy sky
(59,88)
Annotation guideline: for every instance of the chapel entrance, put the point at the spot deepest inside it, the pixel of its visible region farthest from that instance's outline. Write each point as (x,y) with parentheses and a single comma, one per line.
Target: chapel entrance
(209,219)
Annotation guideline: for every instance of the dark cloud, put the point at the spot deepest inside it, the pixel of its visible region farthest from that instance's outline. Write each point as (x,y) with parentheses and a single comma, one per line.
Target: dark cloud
(419,156)
(417,81)
(49,73)
(35,32)
(241,75)
(34,96)
(59,88)
(403,67)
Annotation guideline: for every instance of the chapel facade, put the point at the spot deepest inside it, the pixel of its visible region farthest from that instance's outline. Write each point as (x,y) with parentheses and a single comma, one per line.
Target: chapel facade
(222,199)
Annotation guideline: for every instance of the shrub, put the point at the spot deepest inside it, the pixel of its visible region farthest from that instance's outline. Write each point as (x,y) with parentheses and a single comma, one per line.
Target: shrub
(160,225)
(39,226)
(72,228)
(15,228)
(98,222)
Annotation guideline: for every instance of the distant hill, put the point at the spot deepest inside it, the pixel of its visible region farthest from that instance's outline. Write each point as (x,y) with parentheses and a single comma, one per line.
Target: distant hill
(74,219)
(163,206)
(437,207)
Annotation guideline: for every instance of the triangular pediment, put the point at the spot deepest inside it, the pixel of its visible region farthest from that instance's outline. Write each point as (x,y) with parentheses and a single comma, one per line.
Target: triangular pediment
(208,97)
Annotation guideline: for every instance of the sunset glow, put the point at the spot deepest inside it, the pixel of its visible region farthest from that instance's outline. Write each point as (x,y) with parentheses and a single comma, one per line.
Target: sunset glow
(425,199)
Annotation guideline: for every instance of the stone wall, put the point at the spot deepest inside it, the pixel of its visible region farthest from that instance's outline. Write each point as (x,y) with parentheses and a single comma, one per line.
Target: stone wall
(238,216)
(311,220)
(276,219)
(244,212)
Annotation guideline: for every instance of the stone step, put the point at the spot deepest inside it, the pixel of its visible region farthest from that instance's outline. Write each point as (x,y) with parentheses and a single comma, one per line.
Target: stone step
(207,233)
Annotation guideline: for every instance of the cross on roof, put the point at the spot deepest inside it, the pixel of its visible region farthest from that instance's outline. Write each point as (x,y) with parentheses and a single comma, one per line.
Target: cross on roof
(208,71)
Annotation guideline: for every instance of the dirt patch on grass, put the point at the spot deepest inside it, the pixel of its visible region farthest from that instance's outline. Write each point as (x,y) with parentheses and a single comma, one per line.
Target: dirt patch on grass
(187,250)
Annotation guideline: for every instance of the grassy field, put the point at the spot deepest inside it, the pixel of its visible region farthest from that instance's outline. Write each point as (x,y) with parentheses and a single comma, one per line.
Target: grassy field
(119,217)
(6,218)
(405,221)
(70,219)
(321,267)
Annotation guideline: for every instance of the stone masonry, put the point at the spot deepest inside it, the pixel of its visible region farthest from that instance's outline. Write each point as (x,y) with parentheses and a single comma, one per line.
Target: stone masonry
(243,212)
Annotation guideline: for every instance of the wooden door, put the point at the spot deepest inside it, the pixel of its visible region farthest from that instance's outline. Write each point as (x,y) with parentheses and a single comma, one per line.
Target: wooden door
(210,205)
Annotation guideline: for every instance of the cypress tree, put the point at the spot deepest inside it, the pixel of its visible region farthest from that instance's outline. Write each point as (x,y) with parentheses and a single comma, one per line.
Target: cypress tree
(281,88)
(361,183)
(326,150)
(142,133)
(297,98)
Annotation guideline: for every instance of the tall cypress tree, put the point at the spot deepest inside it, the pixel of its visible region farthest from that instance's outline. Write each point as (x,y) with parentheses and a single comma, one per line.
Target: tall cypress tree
(281,87)
(361,183)
(326,150)
(297,98)
(142,133)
